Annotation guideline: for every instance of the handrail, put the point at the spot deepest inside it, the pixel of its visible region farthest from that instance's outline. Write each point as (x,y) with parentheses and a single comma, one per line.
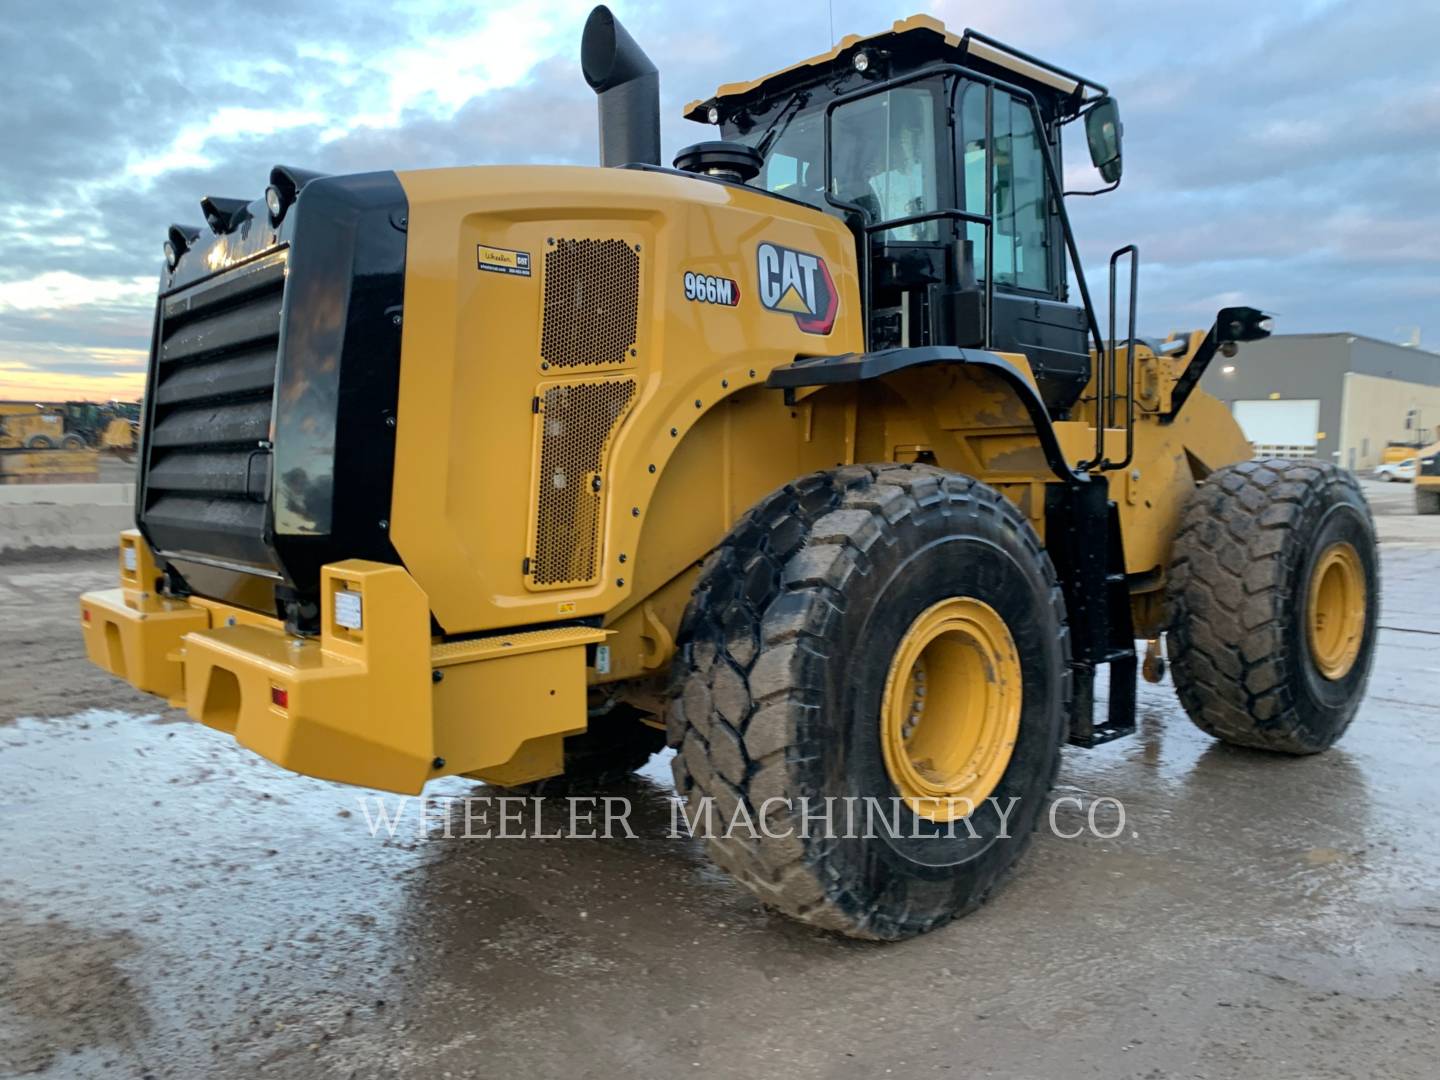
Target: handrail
(1107,362)
(1034,61)
(1134,253)
(941,215)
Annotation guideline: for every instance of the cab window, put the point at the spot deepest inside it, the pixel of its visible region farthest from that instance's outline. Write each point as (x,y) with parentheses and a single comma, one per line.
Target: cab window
(795,167)
(884,158)
(1022,227)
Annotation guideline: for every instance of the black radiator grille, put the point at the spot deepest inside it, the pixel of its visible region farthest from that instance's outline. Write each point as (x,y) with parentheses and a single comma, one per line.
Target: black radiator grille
(207,466)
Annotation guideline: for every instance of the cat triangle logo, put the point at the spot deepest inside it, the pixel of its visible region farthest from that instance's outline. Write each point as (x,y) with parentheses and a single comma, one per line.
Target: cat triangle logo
(799,284)
(792,302)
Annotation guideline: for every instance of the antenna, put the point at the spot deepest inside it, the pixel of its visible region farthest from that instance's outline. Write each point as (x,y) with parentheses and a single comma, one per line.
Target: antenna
(830,7)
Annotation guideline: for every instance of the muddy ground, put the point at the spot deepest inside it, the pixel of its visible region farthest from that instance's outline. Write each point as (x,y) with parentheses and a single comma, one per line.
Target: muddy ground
(173,906)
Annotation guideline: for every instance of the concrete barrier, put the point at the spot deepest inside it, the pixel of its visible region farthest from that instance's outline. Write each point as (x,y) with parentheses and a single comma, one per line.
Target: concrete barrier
(63,517)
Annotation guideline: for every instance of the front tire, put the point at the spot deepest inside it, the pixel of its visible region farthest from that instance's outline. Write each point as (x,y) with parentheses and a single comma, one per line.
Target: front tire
(1274,595)
(800,640)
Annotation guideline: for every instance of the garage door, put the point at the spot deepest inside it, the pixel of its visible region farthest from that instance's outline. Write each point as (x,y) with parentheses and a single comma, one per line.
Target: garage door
(1280,428)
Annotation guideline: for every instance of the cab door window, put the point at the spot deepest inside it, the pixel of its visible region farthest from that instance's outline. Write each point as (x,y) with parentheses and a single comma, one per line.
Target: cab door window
(884,159)
(1021,197)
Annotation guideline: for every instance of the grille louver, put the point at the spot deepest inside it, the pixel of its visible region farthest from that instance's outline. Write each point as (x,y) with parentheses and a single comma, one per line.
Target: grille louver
(207,466)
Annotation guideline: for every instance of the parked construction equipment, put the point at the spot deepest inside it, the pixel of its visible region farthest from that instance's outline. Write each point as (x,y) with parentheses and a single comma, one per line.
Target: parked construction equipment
(809,455)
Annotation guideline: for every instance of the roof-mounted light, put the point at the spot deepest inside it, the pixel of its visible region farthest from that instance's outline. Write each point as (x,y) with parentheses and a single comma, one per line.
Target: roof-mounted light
(222,214)
(178,241)
(712,114)
(861,61)
(285,186)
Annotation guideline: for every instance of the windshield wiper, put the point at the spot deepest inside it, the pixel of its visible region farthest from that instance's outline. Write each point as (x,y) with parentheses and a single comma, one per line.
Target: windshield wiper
(787,112)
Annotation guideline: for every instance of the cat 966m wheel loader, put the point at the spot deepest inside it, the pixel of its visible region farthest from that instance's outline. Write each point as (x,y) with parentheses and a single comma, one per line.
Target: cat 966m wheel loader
(808,455)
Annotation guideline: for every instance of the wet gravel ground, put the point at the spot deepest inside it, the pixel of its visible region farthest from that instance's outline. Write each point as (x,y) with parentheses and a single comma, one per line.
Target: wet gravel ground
(173,906)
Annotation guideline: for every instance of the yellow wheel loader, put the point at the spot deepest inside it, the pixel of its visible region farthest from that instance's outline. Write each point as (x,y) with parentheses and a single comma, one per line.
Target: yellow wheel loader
(808,455)
(34,429)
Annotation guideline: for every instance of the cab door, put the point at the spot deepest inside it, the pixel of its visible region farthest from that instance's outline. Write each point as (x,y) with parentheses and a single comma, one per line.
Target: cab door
(1030,312)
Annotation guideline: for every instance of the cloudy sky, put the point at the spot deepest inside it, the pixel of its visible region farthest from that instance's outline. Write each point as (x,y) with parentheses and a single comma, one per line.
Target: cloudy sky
(1284,154)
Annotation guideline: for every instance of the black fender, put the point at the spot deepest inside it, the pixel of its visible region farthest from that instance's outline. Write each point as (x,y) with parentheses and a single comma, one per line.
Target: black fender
(809,371)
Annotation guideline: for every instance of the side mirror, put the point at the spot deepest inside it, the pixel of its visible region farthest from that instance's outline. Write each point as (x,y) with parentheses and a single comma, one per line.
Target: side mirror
(1242,324)
(1102,131)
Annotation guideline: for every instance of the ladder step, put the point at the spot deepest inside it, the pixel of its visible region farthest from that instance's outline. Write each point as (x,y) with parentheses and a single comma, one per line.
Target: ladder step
(1119,719)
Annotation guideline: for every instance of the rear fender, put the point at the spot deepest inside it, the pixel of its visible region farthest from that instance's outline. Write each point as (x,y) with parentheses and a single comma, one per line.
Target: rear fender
(992,370)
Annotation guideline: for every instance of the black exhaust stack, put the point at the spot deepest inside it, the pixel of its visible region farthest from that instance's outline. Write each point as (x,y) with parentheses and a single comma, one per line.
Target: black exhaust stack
(627,86)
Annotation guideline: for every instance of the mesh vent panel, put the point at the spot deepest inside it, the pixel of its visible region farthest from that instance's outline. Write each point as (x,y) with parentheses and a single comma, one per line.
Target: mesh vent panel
(577,424)
(592,290)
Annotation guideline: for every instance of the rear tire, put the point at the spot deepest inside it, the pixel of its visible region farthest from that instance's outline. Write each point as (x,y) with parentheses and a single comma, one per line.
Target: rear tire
(40,442)
(1427,500)
(1260,545)
(784,672)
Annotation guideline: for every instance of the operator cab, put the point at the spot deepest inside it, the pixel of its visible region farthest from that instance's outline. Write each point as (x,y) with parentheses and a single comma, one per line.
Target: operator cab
(943,153)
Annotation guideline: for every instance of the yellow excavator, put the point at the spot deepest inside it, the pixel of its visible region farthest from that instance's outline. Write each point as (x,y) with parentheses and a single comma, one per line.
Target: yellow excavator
(808,455)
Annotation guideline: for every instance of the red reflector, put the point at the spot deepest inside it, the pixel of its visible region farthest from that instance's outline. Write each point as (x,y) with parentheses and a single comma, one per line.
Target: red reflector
(279,696)
(86,613)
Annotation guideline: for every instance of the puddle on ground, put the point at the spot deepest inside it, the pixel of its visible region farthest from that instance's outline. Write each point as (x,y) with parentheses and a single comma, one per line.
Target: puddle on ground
(246,908)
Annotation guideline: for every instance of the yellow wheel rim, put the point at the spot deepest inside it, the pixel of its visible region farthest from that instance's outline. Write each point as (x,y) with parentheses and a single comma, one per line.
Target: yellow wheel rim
(1336,621)
(951,710)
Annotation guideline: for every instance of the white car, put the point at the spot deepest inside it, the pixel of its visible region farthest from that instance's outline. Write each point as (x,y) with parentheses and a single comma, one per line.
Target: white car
(1396,470)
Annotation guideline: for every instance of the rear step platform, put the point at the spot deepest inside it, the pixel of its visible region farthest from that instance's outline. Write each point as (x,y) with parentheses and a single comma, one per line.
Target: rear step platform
(1120,711)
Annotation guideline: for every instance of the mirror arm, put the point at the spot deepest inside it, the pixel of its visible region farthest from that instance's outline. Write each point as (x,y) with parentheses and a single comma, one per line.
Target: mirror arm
(1097,191)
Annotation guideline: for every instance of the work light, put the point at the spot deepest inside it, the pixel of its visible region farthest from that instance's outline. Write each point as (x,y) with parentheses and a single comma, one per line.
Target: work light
(275,203)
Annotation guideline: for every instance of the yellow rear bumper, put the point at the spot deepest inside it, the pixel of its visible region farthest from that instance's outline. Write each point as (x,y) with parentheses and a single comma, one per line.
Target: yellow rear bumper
(376,704)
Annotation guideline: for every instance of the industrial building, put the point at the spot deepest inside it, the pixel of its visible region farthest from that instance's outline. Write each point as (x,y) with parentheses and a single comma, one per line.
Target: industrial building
(1337,397)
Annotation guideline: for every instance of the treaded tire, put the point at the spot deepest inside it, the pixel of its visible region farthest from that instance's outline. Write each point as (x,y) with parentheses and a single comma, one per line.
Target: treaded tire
(40,442)
(780,670)
(612,747)
(1238,599)
(73,442)
(1427,501)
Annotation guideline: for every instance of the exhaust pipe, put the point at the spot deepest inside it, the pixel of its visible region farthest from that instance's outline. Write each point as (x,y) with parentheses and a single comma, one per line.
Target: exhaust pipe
(627,89)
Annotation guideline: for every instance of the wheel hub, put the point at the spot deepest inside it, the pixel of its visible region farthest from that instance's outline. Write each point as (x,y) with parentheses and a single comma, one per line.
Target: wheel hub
(1335,622)
(951,709)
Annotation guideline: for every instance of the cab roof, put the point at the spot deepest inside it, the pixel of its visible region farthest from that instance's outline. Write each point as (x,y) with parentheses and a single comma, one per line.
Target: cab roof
(921,36)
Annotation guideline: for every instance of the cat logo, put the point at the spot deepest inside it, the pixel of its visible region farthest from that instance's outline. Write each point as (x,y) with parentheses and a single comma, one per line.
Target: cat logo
(798,284)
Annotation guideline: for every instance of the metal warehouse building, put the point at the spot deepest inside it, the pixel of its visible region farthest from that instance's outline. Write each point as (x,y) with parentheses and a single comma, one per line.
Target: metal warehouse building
(1338,397)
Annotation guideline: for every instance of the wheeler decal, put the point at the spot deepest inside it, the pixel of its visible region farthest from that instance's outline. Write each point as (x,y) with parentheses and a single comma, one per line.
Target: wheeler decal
(502,260)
